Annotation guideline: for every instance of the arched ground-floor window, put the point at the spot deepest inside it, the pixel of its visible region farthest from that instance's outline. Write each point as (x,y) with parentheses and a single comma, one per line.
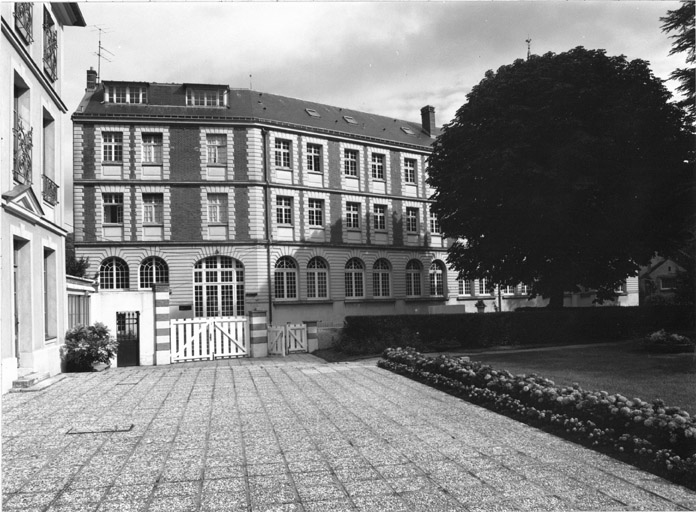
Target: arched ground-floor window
(218,287)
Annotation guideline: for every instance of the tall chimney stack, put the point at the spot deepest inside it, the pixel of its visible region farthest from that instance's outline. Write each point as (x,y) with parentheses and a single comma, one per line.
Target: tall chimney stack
(91,80)
(428,119)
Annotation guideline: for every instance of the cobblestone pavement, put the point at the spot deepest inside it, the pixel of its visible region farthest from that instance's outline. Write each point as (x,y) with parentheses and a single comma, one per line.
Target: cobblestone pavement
(297,435)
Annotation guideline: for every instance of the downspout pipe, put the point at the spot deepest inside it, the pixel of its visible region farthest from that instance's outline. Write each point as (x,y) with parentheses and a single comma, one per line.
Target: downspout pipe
(267,221)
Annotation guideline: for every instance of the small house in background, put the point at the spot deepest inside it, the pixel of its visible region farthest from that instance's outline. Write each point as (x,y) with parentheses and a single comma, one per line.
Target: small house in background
(658,281)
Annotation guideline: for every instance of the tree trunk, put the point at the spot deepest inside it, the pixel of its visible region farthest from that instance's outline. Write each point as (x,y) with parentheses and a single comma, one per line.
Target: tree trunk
(556,297)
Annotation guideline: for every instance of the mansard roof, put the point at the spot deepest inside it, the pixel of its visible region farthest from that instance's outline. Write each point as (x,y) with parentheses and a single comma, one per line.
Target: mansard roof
(168,101)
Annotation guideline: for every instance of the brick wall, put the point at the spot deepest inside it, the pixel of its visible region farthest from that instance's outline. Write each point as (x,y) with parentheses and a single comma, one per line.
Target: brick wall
(186,213)
(185,153)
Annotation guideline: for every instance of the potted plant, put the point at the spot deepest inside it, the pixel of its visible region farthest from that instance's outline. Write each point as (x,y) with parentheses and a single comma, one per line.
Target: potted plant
(480,306)
(86,346)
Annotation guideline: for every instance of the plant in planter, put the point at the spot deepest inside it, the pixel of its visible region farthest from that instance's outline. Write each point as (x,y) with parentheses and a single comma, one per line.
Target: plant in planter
(86,346)
(662,341)
(480,306)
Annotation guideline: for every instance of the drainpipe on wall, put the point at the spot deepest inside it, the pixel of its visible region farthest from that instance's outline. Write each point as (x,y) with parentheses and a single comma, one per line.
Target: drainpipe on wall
(267,220)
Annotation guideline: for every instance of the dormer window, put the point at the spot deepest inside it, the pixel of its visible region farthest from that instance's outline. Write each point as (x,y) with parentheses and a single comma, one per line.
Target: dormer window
(24,15)
(407,130)
(206,97)
(121,93)
(350,120)
(312,112)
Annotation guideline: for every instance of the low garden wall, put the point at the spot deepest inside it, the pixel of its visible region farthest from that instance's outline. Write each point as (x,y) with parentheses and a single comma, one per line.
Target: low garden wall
(524,327)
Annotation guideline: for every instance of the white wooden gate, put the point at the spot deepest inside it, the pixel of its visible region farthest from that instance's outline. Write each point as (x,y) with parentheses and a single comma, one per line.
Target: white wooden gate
(194,339)
(287,339)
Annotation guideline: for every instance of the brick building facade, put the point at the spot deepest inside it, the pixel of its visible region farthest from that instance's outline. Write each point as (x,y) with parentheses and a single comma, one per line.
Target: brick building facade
(244,201)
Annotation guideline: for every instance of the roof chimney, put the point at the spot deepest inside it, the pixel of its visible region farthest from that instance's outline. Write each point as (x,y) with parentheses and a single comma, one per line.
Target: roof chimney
(91,80)
(428,119)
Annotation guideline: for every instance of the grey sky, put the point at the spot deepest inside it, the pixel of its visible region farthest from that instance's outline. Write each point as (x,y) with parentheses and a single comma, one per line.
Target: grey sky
(388,58)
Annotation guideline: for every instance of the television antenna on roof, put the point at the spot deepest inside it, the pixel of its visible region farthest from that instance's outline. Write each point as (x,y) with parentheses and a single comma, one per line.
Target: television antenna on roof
(100,51)
(529,46)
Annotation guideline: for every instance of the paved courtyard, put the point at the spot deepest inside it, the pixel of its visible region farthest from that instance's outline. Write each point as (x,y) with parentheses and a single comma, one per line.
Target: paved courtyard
(293,434)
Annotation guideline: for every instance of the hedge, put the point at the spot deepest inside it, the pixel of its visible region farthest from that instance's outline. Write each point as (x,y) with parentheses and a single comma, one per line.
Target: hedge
(528,326)
(652,436)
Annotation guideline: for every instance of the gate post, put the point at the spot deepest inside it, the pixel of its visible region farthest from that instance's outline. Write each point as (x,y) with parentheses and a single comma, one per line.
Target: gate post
(258,334)
(163,349)
(312,335)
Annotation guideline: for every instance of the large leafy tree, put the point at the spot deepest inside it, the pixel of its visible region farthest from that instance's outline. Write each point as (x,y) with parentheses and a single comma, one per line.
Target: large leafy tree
(681,23)
(563,171)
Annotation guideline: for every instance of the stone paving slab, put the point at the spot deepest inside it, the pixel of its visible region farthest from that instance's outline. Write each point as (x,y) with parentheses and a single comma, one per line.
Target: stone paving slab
(293,434)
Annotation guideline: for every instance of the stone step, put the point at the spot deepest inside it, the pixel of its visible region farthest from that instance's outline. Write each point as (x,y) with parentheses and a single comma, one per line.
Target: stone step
(40,385)
(29,380)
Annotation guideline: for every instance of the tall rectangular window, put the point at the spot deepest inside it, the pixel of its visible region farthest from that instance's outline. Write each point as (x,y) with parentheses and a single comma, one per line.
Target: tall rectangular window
(434,224)
(153,206)
(412,220)
(284,210)
(316,212)
(24,18)
(380,217)
(314,157)
(217,148)
(464,287)
(377,166)
(282,153)
(113,208)
(112,147)
(353,215)
(350,162)
(119,94)
(50,47)
(152,148)
(217,208)
(50,294)
(409,170)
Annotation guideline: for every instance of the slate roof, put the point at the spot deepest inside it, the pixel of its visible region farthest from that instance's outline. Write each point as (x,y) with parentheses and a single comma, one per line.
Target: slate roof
(168,101)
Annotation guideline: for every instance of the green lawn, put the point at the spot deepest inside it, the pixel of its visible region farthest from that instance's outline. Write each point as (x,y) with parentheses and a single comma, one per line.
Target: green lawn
(615,368)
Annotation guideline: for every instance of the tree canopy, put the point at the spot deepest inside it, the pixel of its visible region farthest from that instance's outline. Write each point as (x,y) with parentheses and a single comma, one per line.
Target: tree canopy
(681,21)
(562,171)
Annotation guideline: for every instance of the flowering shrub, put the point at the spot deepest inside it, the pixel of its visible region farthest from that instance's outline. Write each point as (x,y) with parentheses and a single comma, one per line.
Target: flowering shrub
(652,435)
(86,346)
(662,341)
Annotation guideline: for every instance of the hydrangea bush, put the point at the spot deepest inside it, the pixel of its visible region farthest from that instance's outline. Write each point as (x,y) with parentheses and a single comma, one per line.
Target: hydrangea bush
(87,345)
(651,435)
(662,341)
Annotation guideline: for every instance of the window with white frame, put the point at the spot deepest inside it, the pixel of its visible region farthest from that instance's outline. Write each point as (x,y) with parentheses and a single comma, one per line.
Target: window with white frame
(126,94)
(314,157)
(282,153)
(113,274)
(153,208)
(379,215)
(377,166)
(284,210)
(381,272)
(353,215)
(285,278)
(409,170)
(113,208)
(316,212)
(112,147)
(414,270)
(507,290)
(350,162)
(152,148)
(524,289)
(317,279)
(485,287)
(355,278)
(205,97)
(435,224)
(217,208)
(437,285)
(153,270)
(464,287)
(216,144)
(412,220)
(218,287)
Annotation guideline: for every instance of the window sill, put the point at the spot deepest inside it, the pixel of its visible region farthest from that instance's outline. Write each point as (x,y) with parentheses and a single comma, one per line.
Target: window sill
(372,300)
(352,177)
(354,230)
(317,173)
(106,162)
(152,164)
(219,166)
(318,228)
(51,340)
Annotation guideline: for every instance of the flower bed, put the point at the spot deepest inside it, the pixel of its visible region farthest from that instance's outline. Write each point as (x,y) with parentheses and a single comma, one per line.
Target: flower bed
(652,436)
(668,343)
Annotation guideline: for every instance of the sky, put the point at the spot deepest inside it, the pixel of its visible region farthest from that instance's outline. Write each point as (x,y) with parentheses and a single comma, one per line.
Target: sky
(387,58)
